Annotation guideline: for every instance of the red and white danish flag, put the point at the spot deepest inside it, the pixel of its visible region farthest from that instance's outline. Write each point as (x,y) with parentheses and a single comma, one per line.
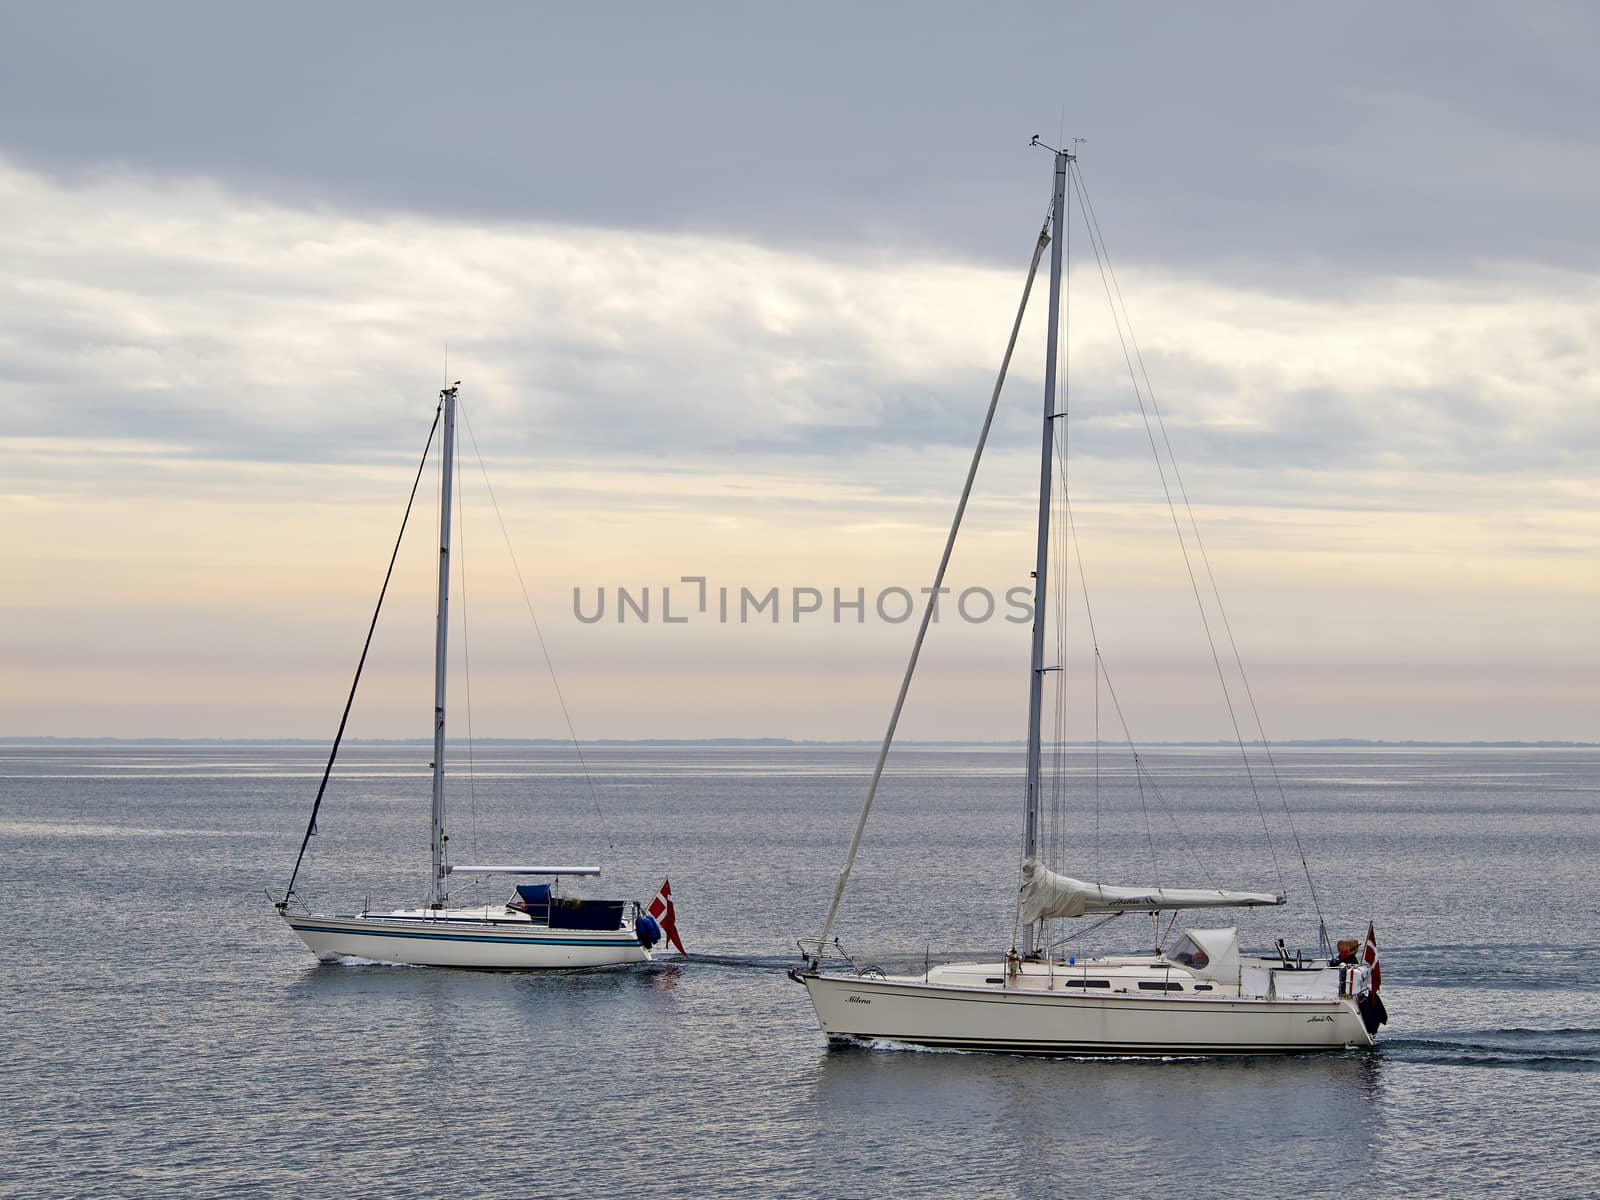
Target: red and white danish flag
(665,916)
(1370,956)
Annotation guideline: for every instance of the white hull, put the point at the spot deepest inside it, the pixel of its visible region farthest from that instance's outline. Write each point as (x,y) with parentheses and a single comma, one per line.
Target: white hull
(1041,1020)
(456,941)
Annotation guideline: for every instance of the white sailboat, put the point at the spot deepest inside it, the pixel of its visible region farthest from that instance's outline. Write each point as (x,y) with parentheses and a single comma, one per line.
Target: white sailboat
(538,927)
(1196,993)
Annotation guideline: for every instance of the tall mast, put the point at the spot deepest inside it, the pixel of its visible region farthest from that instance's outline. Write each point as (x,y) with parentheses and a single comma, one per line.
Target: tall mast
(1036,672)
(436,889)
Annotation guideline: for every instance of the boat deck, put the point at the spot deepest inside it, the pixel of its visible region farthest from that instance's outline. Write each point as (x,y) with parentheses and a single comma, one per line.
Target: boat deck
(1151,976)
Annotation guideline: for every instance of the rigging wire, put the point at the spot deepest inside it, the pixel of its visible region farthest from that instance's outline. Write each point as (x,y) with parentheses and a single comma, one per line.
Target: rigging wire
(927,613)
(527,600)
(1053,840)
(1098,875)
(466,654)
(1141,769)
(1144,807)
(1211,578)
(1062,565)
(316,806)
(1060,449)
(1120,318)
(1086,930)
(1065,531)
(1067,545)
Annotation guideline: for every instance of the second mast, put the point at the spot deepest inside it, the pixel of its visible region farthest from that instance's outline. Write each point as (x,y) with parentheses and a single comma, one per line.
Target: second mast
(1036,673)
(436,886)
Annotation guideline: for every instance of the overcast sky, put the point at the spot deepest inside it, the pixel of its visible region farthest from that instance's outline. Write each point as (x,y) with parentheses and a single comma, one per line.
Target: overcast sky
(727,288)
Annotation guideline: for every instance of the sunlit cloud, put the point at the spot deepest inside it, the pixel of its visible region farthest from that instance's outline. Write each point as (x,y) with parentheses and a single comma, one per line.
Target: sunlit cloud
(216,402)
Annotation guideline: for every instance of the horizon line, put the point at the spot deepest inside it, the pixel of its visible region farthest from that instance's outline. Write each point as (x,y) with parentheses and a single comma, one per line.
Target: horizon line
(1297,743)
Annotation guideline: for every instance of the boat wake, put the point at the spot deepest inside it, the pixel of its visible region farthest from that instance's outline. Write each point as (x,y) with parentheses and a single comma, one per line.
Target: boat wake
(738,962)
(1512,967)
(883,1044)
(849,1044)
(1561,1050)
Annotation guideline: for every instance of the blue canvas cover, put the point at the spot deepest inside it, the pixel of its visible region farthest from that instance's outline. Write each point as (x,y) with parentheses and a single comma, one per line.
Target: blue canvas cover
(533,899)
(586,914)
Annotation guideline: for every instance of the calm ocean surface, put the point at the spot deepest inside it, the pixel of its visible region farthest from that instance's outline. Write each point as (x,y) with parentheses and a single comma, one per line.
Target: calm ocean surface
(169,1036)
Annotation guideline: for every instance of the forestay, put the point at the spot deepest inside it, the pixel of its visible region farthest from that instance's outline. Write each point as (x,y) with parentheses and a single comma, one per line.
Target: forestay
(1046,894)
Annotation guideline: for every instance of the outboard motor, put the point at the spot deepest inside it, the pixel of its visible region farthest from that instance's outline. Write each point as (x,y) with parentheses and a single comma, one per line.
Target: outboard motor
(646,930)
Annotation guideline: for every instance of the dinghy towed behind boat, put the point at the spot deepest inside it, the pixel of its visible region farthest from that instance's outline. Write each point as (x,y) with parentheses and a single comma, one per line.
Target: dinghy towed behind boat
(538,927)
(1196,993)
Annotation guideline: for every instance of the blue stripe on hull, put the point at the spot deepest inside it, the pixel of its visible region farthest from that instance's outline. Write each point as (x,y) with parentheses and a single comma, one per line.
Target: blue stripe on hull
(458,937)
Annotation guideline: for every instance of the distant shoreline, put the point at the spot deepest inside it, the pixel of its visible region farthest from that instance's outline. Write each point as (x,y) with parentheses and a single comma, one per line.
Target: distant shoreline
(1287,743)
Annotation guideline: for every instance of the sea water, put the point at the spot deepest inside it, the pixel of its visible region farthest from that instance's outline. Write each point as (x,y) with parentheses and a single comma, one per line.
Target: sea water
(168,1035)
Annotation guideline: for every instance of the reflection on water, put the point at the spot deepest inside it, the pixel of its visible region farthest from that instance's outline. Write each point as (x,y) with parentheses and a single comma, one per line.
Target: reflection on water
(168,1036)
(1148,1122)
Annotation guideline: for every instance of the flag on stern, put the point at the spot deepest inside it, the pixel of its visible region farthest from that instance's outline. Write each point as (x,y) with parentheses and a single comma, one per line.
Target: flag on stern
(1370,956)
(661,910)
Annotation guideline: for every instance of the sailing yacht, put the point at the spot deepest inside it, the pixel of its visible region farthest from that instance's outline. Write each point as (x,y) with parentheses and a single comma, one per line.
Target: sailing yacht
(1196,993)
(538,926)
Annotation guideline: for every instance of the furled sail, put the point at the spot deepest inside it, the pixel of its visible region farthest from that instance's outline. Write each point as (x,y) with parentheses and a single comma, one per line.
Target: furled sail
(1047,894)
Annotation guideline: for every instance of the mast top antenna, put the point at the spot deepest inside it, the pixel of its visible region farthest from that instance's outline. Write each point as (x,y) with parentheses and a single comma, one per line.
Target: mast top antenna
(1072,154)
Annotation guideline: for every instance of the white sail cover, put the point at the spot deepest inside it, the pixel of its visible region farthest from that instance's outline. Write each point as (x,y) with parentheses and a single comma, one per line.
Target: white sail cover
(1046,894)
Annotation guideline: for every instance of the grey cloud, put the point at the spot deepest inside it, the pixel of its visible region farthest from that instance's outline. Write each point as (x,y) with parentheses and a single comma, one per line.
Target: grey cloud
(1299,144)
(219,327)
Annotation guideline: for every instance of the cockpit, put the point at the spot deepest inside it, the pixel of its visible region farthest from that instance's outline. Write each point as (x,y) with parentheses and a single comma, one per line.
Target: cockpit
(1189,953)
